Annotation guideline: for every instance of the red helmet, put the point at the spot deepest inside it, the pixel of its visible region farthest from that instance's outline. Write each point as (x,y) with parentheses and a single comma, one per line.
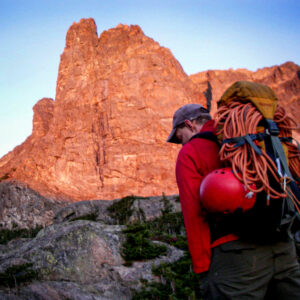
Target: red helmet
(222,192)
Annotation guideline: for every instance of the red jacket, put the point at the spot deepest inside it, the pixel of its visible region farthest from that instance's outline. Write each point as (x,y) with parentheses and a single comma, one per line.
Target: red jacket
(197,158)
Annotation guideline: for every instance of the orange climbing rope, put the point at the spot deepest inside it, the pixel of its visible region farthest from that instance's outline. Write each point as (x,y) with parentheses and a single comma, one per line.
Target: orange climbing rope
(286,124)
(237,119)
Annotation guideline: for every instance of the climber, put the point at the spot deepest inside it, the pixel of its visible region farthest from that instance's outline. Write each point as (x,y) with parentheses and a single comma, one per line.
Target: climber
(230,267)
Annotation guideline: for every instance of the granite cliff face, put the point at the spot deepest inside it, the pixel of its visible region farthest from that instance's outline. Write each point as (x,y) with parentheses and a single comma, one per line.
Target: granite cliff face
(104,135)
(283,79)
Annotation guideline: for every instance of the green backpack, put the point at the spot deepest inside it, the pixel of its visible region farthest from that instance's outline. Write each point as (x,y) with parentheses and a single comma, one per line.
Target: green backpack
(256,142)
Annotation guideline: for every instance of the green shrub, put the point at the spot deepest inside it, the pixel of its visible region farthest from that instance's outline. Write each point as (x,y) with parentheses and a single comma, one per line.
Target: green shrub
(168,223)
(167,205)
(154,291)
(89,217)
(177,282)
(7,235)
(138,246)
(17,274)
(122,210)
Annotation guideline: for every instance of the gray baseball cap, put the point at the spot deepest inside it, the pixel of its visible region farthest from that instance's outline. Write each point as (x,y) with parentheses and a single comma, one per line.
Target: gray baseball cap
(185,112)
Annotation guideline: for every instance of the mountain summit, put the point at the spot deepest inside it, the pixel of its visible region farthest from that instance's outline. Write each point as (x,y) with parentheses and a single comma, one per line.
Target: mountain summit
(103,136)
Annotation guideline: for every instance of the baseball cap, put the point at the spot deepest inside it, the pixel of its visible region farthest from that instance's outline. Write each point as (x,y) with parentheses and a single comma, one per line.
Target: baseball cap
(186,112)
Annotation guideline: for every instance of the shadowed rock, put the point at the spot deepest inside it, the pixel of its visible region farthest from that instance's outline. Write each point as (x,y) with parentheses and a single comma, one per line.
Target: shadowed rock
(76,258)
(22,207)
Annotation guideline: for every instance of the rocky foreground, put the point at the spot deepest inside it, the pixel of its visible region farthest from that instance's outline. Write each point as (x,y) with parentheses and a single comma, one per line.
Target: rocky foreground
(85,250)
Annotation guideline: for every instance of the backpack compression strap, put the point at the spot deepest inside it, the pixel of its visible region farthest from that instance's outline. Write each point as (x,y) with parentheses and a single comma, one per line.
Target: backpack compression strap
(282,166)
(249,138)
(278,151)
(292,205)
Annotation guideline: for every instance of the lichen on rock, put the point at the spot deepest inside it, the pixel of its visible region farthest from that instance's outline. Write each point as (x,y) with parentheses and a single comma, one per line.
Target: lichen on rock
(88,255)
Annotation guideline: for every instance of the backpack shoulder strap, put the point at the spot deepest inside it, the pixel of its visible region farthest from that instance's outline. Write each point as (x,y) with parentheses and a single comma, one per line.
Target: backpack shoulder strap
(207,135)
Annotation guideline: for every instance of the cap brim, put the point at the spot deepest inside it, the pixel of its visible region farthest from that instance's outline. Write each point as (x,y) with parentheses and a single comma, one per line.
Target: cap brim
(172,137)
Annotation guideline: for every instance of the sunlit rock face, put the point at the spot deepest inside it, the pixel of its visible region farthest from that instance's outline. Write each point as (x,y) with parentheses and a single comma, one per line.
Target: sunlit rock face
(283,79)
(104,135)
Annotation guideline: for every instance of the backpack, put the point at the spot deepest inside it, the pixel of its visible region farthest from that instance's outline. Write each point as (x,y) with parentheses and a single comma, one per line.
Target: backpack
(255,137)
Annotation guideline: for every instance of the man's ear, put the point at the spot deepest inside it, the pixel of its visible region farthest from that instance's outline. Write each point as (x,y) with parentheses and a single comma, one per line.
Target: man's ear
(188,124)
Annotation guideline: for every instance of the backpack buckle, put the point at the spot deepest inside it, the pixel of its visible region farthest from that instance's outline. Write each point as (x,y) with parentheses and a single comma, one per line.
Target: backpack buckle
(272,127)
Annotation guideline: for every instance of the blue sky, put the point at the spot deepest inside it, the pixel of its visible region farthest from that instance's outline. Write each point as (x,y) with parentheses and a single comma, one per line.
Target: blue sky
(202,35)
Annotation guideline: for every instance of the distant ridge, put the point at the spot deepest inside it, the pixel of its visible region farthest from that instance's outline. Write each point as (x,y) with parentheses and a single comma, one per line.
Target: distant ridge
(283,79)
(103,137)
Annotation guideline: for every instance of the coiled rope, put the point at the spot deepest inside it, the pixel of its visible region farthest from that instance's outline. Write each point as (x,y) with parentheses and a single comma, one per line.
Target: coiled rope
(238,119)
